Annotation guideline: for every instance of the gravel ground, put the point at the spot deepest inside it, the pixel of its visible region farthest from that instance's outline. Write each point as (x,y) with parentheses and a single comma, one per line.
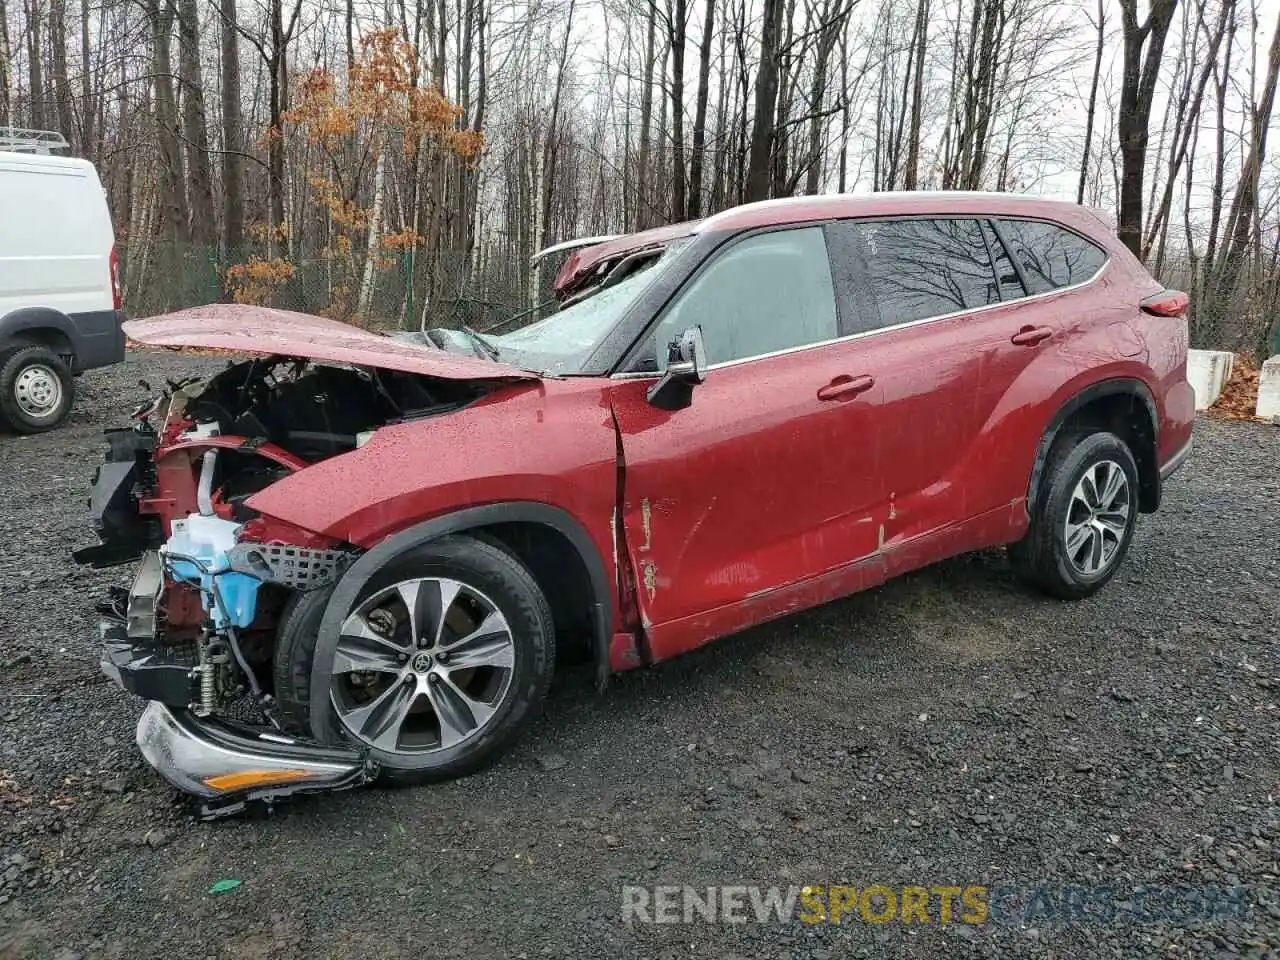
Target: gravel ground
(948,728)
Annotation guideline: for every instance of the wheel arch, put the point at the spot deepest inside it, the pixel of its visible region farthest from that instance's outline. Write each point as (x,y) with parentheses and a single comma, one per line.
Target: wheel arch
(1124,405)
(494,521)
(39,326)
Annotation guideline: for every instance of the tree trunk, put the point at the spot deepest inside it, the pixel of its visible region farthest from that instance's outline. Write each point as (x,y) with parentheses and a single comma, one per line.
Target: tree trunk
(195,132)
(758,167)
(646,119)
(830,32)
(700,114)
(842,183)
(919,39)
(173,194)
(375,235)
(35,56)
(61,83)
(677,23)
(1093,103)
(232,162)
(1137,89)
(88,110)
(1187,120)
(1241,226)
(6,58)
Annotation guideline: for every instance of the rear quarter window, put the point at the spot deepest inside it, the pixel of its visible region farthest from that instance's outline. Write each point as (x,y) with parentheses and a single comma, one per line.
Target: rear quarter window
(1051,256)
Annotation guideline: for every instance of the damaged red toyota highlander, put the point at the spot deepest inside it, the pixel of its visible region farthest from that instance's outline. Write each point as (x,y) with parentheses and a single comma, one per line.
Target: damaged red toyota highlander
(362,555)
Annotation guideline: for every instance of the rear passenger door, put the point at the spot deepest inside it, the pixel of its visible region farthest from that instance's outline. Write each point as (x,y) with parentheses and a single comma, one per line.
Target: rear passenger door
(937,302)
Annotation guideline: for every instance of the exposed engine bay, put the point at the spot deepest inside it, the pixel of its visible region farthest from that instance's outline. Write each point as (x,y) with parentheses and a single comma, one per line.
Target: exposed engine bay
(197,629)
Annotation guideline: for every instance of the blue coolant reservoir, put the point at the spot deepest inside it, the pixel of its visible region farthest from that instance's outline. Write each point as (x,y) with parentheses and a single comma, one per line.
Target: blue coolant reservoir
(209,540)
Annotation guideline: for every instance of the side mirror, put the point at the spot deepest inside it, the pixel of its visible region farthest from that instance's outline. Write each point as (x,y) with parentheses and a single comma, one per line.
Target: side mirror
(686,367)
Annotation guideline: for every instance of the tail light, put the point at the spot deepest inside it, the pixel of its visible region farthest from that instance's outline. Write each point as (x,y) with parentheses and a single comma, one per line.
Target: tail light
(117,295)
(1166,303)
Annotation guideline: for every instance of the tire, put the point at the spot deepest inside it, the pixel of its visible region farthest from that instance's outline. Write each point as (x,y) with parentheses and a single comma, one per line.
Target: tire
(1044,558)
(36,390)
(491,582)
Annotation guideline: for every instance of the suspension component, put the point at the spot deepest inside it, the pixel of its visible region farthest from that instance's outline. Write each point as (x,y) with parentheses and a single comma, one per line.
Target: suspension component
(213,658)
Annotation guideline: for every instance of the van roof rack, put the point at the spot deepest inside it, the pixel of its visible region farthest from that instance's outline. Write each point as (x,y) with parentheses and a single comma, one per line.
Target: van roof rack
(44,142)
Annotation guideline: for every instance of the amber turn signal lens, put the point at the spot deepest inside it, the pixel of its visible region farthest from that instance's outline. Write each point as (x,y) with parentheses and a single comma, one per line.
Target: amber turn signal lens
(254,778)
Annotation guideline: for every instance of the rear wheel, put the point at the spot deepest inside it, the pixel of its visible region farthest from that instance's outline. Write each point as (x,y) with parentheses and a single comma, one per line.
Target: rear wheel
(441,662)
(1084,517)
(36,389)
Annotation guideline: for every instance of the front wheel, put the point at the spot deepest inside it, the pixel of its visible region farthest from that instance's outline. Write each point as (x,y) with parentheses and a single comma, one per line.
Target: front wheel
(440,664)
(1084,517)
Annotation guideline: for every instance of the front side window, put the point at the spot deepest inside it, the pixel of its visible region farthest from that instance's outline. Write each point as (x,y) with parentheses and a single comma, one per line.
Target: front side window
(909,270)
(1051,256)
(767,293)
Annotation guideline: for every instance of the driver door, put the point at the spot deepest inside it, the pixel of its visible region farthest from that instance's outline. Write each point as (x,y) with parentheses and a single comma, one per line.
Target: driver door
(761,496)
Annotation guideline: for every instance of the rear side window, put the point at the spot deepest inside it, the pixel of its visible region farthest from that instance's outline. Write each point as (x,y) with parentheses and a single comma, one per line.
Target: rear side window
(907,270)
(1051,256)
(764,294)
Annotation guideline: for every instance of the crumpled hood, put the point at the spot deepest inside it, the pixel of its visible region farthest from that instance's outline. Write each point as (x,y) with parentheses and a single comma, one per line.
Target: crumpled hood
(264,330)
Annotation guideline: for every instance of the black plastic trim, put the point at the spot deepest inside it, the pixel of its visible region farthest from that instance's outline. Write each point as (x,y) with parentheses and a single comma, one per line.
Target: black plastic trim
(1104,388)
(518,511)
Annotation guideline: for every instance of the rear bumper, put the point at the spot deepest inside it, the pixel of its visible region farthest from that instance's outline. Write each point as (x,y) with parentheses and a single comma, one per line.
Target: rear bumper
(226,767)
(99,338)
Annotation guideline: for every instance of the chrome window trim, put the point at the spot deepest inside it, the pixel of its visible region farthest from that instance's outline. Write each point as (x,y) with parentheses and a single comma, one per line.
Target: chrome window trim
(890,329)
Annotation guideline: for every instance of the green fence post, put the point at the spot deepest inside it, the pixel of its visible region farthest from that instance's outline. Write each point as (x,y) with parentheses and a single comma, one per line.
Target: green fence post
(407,323)
(217,275)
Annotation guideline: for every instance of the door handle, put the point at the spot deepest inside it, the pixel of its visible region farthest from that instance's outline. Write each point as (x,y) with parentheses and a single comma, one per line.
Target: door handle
(845,387)
(1030,336)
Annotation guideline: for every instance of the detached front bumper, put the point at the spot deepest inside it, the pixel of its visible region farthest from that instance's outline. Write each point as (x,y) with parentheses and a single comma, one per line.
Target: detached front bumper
(226,768)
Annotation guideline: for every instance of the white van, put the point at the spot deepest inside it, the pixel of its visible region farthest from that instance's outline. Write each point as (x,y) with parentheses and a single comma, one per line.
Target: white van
(60,301)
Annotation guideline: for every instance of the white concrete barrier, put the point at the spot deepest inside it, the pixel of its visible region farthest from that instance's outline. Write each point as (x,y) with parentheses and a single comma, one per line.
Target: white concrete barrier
(1269,388)
(1208,372)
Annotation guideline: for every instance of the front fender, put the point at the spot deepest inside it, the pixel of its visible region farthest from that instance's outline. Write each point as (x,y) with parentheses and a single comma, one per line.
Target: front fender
(550,442)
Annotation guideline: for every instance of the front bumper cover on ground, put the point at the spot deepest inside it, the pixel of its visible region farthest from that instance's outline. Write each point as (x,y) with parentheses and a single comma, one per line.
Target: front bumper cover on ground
(226,768)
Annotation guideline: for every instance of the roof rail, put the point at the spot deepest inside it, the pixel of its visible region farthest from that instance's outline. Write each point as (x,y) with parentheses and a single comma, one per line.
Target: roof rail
(44,142)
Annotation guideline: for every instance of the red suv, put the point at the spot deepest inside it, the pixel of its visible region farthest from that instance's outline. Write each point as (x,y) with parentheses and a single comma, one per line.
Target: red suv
(362,554)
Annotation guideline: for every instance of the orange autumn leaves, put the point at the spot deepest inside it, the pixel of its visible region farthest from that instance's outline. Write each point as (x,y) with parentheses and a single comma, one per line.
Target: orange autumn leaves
(381,106)
(381,92)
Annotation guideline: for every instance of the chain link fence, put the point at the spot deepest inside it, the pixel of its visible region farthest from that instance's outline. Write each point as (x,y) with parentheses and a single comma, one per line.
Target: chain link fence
(408,289)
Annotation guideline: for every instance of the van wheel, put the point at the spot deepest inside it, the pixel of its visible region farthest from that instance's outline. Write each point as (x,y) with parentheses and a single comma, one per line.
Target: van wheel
(36,389)
(443,660)
(1084,517)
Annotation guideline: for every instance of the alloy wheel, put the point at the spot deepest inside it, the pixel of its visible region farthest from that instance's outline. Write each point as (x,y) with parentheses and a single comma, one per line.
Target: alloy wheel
(421,666)
(1097,517)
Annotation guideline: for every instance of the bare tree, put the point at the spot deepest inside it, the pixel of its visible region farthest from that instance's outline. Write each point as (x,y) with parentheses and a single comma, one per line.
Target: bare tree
(698,155)
(232,163)
(1143,51)
(1100,26)
(172,182)
(203,227)
(758,168)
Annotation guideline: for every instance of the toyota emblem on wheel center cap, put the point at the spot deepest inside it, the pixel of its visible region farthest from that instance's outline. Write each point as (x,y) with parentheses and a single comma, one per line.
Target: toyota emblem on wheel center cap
(422,662)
